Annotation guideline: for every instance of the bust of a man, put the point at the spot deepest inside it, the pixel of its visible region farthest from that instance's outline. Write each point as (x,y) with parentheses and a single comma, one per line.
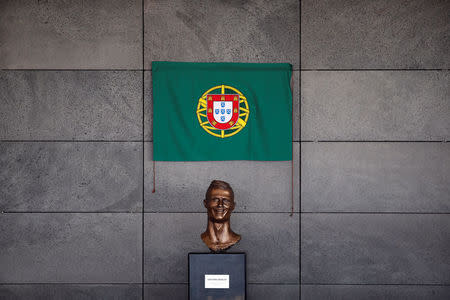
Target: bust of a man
(219,201)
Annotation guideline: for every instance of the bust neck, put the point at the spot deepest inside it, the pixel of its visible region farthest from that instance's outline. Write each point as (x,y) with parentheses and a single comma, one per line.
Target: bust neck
(219,232)
(219,236)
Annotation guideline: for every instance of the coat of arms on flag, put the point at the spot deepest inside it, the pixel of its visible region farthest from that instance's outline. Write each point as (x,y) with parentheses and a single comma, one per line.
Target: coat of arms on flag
(222,111)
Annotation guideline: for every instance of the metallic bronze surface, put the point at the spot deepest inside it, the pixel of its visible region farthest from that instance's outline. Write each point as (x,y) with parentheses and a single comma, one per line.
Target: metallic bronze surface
(219,201)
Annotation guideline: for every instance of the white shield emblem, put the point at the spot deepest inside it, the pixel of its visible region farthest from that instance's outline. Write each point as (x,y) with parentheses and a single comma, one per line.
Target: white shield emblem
(222,111)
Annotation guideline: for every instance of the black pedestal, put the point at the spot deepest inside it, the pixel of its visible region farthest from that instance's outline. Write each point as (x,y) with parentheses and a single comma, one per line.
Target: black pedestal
(218,276)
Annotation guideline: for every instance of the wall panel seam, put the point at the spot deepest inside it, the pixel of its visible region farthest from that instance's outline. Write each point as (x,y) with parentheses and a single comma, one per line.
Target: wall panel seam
(375,284)
(368,70)
(143,154)
(374,141)
(300,155)
(293,69)
(375,212)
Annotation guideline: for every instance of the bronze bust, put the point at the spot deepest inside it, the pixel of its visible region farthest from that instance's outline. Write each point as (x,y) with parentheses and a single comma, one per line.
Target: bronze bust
(219,201)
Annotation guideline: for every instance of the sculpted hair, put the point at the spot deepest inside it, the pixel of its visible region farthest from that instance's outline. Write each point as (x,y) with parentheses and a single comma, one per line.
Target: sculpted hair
(219,184)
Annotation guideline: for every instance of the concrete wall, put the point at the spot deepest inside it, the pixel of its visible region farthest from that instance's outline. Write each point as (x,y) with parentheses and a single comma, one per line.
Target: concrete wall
(375,161)
(372,207)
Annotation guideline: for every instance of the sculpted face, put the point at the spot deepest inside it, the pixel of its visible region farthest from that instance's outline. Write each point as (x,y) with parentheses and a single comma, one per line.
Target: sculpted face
(220,204)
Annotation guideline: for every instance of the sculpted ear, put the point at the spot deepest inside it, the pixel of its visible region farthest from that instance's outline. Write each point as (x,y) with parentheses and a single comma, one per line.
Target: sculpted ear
(204,202)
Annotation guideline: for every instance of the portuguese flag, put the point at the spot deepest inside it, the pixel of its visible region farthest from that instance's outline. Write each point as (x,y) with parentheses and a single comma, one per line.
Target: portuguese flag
(221,111)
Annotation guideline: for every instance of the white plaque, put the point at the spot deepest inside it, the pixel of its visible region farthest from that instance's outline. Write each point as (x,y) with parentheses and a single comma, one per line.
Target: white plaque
(217,281)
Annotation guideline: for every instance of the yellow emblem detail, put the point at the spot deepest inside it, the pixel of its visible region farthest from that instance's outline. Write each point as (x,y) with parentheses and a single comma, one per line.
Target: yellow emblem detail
(243,108)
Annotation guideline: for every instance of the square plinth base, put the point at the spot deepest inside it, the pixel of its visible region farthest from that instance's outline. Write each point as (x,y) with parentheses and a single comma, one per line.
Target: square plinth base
(217,276)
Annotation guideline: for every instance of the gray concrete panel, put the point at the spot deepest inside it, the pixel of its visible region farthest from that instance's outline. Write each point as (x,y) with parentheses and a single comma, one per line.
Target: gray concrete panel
(148,106)
(66,105)
(169,237)
(71,34)
(235,31)
(295,87)
(374,105)
(64,176)
(376,177)
(254,291)
(166,291)
(70,247)
(375,34)
(370,292)
(375,249)
(258,186)
(71,292)
(273,292)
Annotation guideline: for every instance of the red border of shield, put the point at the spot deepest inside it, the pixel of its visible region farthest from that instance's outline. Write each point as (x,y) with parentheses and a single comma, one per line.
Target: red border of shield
(222,97)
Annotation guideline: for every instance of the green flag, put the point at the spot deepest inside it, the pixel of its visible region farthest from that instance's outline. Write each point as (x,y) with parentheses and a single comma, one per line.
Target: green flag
(221,111)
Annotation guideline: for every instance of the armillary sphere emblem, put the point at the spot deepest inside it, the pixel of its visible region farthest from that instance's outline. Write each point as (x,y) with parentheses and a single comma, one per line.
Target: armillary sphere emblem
(222,111)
